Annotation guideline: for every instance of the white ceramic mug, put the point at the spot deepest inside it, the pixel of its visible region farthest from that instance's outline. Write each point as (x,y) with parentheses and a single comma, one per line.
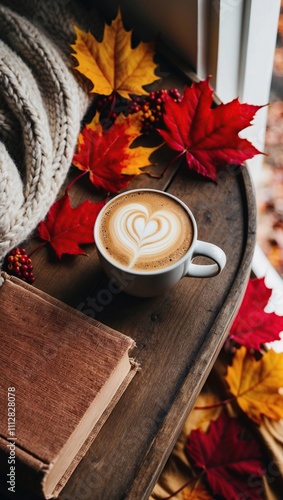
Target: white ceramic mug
(147,283)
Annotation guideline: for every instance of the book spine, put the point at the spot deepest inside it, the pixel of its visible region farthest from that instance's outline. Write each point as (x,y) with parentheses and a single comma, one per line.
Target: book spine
(22,475)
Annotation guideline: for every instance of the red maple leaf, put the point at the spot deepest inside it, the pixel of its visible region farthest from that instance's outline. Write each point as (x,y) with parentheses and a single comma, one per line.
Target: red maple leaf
(207,137)
(252,326)
(65,228)
(230,464)
(107,155)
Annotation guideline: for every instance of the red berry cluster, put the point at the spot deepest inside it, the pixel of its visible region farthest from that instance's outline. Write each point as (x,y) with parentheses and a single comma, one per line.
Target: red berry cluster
(152,108)
(19,264)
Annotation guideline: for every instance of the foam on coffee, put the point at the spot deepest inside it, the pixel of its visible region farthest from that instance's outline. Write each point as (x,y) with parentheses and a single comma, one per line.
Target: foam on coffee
(145,231)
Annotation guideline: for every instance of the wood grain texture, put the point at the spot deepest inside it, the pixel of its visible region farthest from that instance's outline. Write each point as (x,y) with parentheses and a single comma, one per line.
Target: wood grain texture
(178,335)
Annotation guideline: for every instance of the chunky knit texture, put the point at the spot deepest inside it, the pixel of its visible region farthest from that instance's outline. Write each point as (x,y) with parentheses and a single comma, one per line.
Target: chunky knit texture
(41,108)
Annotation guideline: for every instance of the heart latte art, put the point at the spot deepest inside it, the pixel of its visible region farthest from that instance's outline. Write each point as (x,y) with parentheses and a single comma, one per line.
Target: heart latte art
(145,231)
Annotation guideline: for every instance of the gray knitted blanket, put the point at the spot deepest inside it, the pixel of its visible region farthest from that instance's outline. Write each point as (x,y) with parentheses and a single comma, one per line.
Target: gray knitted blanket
(41,108)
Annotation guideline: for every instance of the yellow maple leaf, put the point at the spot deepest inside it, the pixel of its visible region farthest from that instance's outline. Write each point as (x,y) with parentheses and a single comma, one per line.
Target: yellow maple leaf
(204,411)
(257,384)
(112,64)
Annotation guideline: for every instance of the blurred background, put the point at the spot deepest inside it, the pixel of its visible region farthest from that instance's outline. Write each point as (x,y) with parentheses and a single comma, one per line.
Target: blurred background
(269,190)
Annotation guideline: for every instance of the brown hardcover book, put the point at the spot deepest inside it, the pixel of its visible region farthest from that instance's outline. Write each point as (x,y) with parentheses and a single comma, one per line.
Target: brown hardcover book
(61,375)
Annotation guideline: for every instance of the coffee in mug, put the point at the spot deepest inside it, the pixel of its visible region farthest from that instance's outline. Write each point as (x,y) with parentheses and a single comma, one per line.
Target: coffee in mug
(145,231)
(146,240)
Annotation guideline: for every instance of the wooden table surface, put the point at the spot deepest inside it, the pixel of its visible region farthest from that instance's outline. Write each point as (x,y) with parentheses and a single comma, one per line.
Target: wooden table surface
(178,335)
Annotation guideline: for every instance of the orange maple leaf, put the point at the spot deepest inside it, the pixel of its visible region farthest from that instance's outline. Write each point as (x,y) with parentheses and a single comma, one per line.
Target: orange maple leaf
(198,492)
(112,64)
(256,384)
(107,155)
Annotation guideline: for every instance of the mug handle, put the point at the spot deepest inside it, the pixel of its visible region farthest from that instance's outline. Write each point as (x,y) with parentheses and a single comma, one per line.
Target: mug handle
(202,248)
